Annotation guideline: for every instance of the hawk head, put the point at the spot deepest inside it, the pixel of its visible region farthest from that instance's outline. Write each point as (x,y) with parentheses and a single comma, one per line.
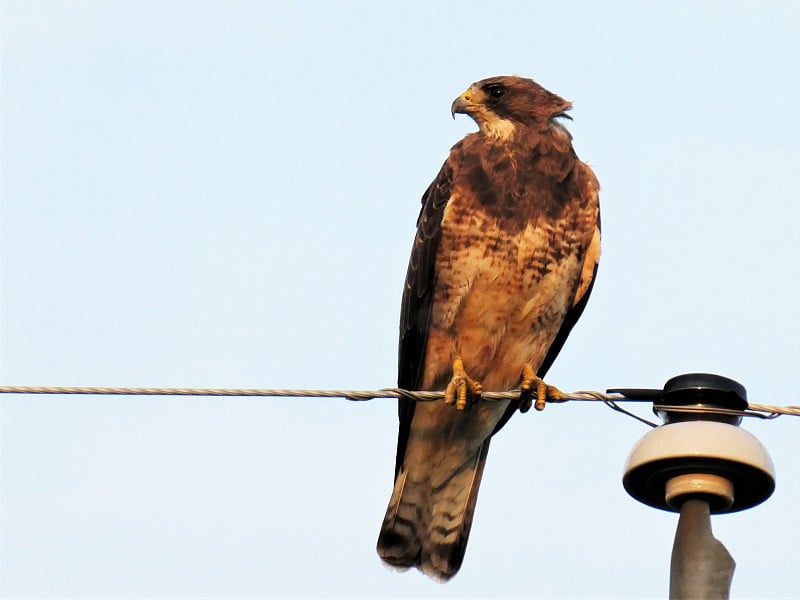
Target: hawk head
(502,105)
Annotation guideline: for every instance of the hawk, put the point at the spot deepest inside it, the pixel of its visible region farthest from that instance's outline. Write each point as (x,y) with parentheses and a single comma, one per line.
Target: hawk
(503,262)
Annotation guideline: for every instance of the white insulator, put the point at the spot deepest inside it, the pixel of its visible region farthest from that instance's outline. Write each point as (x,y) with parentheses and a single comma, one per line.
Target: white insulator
(720,462)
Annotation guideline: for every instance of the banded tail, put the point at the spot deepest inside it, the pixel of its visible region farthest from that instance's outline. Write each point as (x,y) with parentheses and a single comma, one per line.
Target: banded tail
(427,523)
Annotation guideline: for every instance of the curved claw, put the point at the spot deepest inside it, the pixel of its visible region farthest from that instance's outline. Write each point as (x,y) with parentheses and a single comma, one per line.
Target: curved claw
(544,392)
(462,388)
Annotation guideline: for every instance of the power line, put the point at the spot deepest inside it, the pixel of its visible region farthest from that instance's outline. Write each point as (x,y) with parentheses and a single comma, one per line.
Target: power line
(355,395)
(611,400)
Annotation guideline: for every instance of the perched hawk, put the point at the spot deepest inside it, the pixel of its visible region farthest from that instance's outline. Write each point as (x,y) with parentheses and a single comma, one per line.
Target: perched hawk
(503,262)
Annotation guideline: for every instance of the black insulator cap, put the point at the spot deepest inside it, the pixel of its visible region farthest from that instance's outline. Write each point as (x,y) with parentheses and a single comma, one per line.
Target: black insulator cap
(695,390)
(703,390)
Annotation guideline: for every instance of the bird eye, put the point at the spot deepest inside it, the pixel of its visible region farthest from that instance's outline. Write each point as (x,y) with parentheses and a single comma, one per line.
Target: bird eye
(495,90)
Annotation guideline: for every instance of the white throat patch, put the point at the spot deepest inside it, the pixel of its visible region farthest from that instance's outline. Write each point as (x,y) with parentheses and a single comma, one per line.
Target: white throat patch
(499,129)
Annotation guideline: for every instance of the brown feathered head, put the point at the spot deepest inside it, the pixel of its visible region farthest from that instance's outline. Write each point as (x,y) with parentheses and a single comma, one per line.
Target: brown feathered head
(500,105)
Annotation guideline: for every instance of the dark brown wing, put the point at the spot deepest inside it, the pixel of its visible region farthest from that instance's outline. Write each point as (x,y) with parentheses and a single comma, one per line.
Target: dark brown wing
(415,310)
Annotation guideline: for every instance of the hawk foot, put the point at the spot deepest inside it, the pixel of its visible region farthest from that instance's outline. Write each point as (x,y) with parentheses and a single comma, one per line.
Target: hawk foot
(533,384)
(462,388)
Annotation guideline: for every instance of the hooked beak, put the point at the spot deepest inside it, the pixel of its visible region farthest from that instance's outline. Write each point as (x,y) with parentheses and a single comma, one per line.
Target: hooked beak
(463,103)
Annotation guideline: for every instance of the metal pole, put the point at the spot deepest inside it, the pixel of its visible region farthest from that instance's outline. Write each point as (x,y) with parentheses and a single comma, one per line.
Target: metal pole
(702,568)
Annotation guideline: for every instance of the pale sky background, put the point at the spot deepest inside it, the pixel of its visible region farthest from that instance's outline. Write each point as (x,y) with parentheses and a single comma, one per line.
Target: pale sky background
(225,194)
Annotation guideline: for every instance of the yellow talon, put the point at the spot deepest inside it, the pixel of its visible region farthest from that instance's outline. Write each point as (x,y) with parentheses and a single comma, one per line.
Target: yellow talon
(462,387)
(544,393)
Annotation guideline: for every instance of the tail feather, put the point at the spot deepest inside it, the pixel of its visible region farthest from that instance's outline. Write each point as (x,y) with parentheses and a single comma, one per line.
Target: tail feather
(398,542)
(428,522)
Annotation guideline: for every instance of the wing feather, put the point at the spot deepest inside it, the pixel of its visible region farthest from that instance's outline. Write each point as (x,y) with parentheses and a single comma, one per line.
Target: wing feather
(415,310)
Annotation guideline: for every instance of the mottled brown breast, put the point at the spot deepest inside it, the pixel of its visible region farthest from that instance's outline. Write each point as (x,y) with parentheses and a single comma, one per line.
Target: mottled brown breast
(514,235)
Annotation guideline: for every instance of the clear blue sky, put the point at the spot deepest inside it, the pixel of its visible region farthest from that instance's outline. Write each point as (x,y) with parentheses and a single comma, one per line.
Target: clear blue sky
(224,194)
